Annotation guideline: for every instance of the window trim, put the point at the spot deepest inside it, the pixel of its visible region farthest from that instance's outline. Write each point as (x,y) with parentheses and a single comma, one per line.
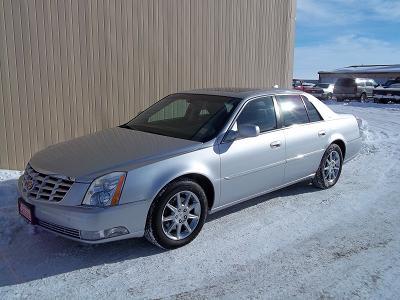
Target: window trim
(277,116)
(304,98)
(277,112)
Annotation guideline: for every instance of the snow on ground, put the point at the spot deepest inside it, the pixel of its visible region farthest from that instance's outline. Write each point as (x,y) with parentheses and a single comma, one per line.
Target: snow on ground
(299,242)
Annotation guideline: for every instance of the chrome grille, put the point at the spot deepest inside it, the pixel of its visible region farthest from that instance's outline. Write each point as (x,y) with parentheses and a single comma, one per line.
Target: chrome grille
(38,186)
(60,229)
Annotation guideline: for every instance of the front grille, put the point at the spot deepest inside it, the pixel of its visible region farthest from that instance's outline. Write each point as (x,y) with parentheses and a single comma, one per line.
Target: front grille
(60,229)
(38,186)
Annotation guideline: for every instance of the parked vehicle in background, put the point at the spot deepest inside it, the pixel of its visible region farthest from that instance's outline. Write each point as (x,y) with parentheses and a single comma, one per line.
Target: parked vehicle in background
(327,89)
(354,89)
(300,85)
(188,155)
(390,82)
(385,95)
(313,90)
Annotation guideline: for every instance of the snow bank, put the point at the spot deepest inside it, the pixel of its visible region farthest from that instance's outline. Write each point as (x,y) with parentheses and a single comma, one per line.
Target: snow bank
(10,222)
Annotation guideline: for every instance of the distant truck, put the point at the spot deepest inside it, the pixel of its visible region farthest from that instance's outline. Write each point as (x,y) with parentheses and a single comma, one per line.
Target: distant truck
(389,94)
(360,89)
(390,82)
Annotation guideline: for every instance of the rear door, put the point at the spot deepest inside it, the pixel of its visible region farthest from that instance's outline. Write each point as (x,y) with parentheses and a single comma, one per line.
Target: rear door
(305,134)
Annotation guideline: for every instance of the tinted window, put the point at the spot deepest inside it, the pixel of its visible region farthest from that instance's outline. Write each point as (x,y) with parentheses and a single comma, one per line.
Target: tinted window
(323,85)
(186,116)
(260,112)
(345,82)
(313,114)
(292,110)
(370,83)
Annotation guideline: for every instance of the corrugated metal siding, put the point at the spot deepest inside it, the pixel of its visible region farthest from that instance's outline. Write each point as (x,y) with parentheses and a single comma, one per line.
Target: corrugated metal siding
(70,67)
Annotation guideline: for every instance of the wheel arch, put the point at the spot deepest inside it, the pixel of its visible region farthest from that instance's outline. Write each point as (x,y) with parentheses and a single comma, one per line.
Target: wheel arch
(201,179)
(341,144)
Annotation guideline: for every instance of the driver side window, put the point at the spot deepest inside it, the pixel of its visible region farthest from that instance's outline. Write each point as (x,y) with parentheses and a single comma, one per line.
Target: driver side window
(260,112)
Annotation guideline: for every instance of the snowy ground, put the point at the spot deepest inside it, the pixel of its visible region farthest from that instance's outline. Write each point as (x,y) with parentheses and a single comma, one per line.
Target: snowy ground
(296,243)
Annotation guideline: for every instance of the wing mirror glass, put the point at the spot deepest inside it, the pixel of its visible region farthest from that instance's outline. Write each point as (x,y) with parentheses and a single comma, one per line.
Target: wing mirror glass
(248,130)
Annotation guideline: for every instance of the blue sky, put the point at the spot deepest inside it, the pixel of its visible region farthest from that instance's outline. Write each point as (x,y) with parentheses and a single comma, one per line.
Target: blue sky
(335,33)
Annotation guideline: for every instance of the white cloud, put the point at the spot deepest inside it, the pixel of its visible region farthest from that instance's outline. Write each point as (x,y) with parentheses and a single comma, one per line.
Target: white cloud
(386,9)
(343,51)
(310,12)
(326,13)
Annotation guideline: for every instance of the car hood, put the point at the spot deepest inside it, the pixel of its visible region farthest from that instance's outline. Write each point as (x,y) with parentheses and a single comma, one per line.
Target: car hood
(115,149)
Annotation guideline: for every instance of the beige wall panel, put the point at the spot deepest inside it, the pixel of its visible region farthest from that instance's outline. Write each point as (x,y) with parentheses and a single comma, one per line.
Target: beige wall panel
(72,67)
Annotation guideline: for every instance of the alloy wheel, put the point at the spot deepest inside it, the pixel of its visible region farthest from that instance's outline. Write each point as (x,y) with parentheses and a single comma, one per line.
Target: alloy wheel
(181,215)
(332,166)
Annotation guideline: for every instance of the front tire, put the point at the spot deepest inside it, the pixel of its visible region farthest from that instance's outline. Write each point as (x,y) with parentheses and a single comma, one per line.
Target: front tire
(363,98)
(177,214)
(330,168)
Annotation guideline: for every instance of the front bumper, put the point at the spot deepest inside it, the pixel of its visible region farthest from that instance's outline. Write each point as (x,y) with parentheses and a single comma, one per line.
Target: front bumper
(89,224)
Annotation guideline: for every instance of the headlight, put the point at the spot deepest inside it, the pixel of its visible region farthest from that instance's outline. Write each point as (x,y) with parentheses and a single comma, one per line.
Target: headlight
(105,190)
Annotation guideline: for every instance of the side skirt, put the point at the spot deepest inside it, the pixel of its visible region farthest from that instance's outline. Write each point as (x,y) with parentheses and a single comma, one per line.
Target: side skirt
(259,194)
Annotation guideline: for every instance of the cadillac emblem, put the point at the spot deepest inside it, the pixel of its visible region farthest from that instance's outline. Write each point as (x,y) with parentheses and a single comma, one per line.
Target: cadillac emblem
(28,184)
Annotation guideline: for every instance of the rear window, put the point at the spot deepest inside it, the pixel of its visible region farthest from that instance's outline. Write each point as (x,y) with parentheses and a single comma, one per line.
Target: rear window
(323,85)
(292,109)
(313,113)
(345,82)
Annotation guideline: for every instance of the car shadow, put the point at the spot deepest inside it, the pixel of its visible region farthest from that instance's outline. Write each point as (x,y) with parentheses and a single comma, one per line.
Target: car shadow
(29,253)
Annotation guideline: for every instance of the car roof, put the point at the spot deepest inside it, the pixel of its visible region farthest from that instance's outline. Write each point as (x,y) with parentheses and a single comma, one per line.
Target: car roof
(242,93)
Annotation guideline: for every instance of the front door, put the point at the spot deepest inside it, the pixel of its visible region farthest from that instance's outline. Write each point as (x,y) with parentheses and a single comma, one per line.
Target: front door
(251,166)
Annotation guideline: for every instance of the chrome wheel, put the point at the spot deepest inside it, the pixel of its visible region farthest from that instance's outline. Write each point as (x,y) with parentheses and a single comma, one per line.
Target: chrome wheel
(181,215)
(332,166)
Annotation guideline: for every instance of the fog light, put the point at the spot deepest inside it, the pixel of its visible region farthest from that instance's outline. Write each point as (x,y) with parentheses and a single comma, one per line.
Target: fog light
(116,231)
(103,234)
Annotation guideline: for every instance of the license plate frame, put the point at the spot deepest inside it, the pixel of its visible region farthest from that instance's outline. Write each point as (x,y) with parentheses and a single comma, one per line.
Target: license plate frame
(26,210)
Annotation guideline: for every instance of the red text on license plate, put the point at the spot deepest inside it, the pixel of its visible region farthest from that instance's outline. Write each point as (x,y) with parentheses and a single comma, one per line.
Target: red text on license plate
(25,212)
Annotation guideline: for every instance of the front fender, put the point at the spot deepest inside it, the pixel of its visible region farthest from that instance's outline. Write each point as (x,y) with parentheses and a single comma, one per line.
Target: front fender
(143,184)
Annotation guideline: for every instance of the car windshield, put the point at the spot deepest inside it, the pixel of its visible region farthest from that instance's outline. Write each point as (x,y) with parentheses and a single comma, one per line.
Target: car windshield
(186,116)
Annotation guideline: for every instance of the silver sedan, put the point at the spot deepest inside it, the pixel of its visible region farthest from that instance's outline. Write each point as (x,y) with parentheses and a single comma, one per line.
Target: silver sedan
(189,155)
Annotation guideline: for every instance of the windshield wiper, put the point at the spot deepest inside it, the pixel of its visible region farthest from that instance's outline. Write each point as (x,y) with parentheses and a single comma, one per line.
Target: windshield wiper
(126,126)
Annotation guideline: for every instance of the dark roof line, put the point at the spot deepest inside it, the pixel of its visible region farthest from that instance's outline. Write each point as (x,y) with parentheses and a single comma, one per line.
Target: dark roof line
(367,69)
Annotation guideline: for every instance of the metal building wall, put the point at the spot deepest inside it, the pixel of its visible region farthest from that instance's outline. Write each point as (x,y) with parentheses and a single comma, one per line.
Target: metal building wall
(71,67)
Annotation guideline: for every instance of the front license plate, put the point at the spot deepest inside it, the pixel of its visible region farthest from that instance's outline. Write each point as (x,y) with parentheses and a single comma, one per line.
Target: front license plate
(26,210)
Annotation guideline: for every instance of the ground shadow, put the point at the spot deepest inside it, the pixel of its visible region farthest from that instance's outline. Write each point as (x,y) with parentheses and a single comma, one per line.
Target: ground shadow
(34,254)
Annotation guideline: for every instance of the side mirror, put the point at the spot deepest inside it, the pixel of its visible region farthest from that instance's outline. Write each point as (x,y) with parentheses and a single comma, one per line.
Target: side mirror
(248,130)
(231,136)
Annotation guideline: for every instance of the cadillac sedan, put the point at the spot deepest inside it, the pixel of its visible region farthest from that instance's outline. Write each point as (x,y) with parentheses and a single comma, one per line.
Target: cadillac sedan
(189,155)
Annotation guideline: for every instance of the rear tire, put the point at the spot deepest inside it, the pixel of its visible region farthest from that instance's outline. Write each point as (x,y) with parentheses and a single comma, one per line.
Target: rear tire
(330,168)
(177,214)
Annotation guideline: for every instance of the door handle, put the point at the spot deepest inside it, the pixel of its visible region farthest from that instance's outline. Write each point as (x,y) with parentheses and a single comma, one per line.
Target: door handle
(322,133)
(275,144)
